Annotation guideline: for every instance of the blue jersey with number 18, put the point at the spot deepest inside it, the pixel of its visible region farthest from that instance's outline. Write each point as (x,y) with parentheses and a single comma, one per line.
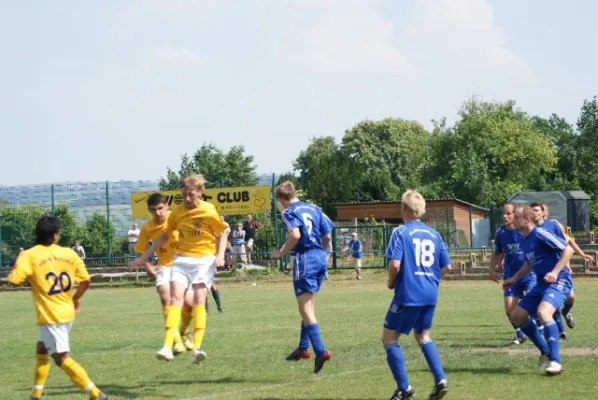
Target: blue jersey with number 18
(311,222)
(422,254)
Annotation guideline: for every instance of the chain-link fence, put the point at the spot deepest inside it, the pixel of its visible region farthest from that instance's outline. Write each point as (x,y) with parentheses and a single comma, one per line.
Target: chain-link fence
(98,214)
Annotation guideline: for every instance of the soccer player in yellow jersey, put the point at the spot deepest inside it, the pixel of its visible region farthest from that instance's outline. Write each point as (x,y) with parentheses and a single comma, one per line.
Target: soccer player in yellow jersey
(151,230)
(195,262)
(53,272)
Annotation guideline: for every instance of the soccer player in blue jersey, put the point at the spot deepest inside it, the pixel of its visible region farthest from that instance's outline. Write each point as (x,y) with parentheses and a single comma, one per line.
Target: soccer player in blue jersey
(356,248)
(558,228)
(507,242)
(547,255)
(309,234)
(418,259)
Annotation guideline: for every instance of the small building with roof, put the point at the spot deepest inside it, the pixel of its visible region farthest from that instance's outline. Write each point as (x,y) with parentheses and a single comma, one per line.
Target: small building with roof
(570,208)
(452,217)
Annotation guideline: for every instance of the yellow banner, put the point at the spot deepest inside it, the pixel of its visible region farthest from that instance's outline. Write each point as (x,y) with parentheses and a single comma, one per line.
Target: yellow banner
(228,201)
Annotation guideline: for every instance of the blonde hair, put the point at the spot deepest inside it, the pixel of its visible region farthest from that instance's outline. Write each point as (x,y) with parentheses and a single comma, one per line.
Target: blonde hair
(285,191)
(527,212)
(414,202)
(545,208)
(195,181)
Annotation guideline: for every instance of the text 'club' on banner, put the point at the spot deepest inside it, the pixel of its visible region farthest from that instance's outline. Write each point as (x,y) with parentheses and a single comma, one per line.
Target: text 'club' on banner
(228,201)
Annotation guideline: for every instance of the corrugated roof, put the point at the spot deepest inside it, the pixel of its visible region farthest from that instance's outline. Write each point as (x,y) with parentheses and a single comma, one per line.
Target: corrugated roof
(356,203)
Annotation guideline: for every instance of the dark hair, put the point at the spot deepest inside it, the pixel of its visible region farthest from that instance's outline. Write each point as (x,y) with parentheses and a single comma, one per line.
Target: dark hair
(155,199)
(45,229)
(537,204)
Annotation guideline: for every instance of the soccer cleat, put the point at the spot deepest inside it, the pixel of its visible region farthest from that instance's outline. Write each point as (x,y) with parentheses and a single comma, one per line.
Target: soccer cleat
(440,390)
(187,342)
(102,396)
(164,354)
(32,398)
(563,335)
(220,310)
(569,320)
(179,348)
(515,341)
(319,362)
(298,354)
(403,394)
(554,368)
(544,361)
(197,356)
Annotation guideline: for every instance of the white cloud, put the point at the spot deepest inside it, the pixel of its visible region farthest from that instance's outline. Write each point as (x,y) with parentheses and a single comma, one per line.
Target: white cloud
(466,33)
(351,37)
(177,56)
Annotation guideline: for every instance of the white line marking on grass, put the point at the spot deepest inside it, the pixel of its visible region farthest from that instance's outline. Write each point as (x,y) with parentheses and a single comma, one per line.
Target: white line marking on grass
(281,385)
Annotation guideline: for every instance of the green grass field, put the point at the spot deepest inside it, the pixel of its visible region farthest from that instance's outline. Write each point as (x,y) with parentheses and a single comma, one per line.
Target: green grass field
(118,331)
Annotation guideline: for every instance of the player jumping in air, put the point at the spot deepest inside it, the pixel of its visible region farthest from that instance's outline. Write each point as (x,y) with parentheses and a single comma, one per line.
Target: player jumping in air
(53,272)
(195,262)
(547,255)
(309,234)
(418,259)
(507,246)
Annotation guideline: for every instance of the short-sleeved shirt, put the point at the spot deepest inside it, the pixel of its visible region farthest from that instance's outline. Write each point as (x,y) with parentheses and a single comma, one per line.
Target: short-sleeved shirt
(422,254)
(53,272)
(356,246)
(238,237)
(312,223)
(151,231)
(543,249)
(197,228)
(508,241)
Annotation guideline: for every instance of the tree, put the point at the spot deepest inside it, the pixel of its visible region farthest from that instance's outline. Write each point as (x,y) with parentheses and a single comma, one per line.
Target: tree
(70,228)
(493,151)
(389,155)
(587,147)
(96,234)
(220,169)
(563,138)
(326,175)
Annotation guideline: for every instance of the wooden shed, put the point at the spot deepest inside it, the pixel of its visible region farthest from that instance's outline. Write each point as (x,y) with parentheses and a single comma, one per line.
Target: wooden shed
(450,213)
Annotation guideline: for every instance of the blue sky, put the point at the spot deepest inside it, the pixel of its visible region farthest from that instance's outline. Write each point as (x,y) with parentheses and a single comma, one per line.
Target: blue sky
(119,89)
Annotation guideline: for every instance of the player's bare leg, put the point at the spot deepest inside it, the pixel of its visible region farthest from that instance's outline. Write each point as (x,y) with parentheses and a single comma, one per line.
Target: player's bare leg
(510,303)
(566,310)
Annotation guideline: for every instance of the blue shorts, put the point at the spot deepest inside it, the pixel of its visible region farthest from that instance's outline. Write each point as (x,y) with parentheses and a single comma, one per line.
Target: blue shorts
(555,294)
(403,319)
(309,271)
(523,286)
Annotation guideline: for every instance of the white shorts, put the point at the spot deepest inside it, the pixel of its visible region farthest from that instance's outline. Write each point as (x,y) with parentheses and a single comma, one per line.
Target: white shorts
(163,275)
(356,262)
(55,337)
(193,270)
(249,244)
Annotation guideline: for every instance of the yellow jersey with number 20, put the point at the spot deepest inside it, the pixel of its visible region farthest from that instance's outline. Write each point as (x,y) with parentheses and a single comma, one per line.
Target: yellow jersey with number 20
(52,271)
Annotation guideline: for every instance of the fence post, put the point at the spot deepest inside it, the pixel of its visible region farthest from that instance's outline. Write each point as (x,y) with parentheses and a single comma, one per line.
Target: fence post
(448,227)
(1,246)
(274,218)
(53,202)
(334,248)
(108,241)
(470,229)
